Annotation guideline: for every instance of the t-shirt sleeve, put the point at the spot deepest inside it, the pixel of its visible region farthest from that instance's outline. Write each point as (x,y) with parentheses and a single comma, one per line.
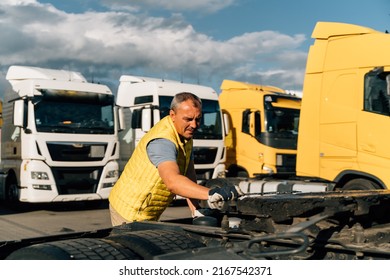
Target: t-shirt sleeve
(160,150)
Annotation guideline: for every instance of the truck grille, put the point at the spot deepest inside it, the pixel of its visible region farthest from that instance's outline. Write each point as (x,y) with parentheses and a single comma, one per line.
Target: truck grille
(204,174)
(76,151)
(203,155)
(77,180)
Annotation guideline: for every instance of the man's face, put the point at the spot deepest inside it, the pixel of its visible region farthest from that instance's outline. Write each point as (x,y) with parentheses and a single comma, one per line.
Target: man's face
(186,119)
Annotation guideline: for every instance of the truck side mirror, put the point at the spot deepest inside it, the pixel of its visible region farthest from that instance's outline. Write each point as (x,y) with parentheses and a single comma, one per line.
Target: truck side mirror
(18,116)
(252,124)
(226,123)
(146,122)
(121,119)
(156,116)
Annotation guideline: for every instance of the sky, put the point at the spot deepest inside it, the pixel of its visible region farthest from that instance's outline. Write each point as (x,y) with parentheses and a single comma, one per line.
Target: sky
(200,41)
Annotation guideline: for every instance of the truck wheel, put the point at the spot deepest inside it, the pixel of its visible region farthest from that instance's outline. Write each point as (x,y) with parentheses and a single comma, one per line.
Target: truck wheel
(243,174)
(235,171)
(11,190)
(360,184)
(74,249)
(150,243)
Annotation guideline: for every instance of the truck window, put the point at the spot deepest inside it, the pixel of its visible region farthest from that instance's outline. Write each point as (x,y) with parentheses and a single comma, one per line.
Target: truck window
(165,105)
(79,112)
(211,122)
(136,119)
(279,116)
(246,115)
(143,99)
(246,122)
(257,123)
(280,120)
(376,98)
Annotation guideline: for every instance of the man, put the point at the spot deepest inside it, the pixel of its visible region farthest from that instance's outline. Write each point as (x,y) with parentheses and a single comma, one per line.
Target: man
(162,166)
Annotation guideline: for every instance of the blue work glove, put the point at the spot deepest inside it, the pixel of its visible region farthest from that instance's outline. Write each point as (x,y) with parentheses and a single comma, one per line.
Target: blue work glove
(218,195)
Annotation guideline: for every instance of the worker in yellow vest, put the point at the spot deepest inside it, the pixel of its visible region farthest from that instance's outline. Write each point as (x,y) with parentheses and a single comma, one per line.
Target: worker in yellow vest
(162,166)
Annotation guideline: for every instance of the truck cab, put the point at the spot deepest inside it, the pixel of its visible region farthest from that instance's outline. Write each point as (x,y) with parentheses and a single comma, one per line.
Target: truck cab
(144,101)
(264,129)
(343,134)
(59,138)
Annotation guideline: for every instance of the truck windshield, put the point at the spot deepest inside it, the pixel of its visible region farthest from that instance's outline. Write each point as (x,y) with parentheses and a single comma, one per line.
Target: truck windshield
(281,122)
(74,112)
(211,123)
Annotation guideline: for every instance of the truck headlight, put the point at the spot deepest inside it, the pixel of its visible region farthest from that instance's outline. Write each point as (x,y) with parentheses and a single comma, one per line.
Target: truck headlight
(279,160)
(267,169)
(108,185)
(42,187)
(112,174)
(38,175)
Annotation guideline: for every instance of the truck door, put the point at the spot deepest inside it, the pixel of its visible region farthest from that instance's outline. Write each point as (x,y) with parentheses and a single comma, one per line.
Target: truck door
(249,150)
(373,136)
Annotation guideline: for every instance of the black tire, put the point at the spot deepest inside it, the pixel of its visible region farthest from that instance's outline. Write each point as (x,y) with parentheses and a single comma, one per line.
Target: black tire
(243,174)
(150,243)
(74,249)
(360,184)
(12,193)
(218,183)
(235,171)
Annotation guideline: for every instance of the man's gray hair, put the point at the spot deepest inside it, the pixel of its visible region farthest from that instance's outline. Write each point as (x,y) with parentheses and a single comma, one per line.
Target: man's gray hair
(184,96)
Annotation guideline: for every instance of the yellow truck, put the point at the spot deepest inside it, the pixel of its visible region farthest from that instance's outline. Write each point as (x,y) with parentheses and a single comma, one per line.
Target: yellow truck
(343,137)
(344,122)
(264,129)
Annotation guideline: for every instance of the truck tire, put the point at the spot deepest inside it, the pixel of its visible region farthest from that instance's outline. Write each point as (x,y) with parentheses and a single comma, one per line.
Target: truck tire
(11,190)
(150,243)
(235,171)
(360,184)
(218,183)
(74,249)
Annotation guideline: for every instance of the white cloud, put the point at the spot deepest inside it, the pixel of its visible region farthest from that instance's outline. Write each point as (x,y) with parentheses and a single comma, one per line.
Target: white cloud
(206,6)
(17,2)
(107,44)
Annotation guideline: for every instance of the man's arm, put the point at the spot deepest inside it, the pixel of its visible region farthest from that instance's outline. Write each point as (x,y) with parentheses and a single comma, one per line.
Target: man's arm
(180,184)
(162,153)
(193,204)
(191,174)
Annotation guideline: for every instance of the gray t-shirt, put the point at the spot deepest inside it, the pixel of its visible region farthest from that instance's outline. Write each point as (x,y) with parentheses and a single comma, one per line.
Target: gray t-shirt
(160,150)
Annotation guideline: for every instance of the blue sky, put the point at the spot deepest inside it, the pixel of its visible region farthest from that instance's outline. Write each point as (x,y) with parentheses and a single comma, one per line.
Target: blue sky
(200,41)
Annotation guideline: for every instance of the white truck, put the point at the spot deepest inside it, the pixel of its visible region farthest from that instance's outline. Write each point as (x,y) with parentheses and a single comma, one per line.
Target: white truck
(144,101)
(59,138)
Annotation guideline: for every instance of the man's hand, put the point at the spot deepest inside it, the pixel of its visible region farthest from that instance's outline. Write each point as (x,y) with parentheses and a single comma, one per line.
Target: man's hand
(226,193)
